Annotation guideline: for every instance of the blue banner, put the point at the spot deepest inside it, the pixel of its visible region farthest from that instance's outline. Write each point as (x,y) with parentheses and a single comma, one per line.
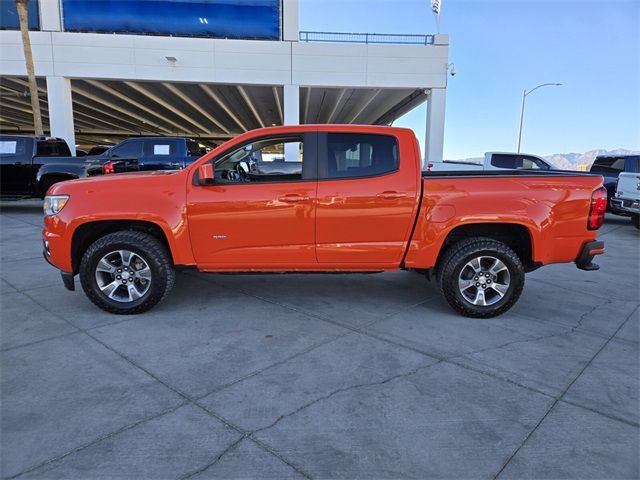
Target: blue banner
(242,19)
(9,15)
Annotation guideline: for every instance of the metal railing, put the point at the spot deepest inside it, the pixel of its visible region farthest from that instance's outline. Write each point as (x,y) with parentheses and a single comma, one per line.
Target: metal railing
(366,38)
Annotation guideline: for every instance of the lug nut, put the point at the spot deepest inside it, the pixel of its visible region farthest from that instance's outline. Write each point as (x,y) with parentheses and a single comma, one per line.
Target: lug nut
(484,286)
(118,277)
(477,284)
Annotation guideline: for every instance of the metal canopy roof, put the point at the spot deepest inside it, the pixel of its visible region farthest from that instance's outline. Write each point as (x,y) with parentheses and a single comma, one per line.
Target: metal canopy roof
(107,111)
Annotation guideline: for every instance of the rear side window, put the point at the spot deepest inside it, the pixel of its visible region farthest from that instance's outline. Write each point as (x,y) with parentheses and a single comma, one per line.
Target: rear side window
(160,148)
(352,155)
(47,148)
(14,147)
(608,165)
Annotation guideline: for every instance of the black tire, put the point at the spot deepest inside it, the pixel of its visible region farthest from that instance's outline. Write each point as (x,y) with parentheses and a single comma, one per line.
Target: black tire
(635,220)
(143,246)
(458,257)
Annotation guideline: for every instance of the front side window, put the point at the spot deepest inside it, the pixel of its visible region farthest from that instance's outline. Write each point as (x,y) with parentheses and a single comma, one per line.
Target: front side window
(131,149)
(265,160)
(352,155)
(533,163)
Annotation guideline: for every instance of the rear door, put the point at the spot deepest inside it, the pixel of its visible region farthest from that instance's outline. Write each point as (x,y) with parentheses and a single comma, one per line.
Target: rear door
(368,187)
(16,154)
(257,220)
(161,154)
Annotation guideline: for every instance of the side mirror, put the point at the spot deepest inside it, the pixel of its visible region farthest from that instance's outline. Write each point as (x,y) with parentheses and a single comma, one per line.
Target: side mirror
(205,174)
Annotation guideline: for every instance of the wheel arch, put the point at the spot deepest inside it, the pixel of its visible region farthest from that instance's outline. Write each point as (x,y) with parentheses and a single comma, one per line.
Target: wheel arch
(87,233)
(516,236)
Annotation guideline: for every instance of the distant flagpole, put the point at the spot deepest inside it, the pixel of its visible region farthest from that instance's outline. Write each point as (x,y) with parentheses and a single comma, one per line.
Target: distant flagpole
(435,8)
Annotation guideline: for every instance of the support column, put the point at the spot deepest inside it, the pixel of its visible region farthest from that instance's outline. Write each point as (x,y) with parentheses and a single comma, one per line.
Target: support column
(434,142)
(61,110)
(50,20)
(291,113)
(290,21)
(291,108)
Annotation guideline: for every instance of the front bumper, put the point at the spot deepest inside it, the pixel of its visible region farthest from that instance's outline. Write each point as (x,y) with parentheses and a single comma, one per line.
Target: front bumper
(67,278)
(589,250)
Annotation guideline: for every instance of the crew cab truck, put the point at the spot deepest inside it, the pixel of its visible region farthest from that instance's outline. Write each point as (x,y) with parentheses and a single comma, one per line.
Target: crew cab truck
(21,157)
(357,203)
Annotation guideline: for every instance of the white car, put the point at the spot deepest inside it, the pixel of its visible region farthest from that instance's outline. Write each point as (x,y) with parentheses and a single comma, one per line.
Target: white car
(494,161)
(627,198)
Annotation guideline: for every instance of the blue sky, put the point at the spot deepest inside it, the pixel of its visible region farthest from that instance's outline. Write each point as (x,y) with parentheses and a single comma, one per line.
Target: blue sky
(502,47)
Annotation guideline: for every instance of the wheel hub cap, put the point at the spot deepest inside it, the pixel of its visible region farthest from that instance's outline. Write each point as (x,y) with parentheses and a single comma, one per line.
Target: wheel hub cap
(123,276)
(484,280)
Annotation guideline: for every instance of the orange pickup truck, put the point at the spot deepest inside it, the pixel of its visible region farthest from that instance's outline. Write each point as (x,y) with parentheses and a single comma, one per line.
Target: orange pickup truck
(321,198)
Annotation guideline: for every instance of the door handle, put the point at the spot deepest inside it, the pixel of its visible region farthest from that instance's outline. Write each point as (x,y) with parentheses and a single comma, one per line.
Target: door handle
(292,198)
(390,195)
(19,164)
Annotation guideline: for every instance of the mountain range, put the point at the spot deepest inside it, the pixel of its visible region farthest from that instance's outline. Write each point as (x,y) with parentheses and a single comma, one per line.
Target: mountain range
(570,161)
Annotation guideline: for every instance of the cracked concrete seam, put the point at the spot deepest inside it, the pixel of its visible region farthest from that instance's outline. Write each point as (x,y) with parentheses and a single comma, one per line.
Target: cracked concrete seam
(249,434)
(194,400)
(98,440)
(188,399)
(559,397)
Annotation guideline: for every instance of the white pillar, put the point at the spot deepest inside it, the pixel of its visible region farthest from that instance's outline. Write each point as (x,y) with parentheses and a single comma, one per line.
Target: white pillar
(290,22)
(291,113)
(50,20)
(434,142)
(61,110)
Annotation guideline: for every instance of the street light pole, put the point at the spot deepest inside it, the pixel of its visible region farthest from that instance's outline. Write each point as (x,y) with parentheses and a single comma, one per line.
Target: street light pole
(524,97)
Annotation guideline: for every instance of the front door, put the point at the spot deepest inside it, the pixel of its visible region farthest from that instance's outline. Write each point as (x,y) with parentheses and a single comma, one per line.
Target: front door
(366,201)
(16,155)
(260,213)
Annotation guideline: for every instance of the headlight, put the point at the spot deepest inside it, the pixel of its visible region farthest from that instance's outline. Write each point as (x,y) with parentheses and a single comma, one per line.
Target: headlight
(54,203)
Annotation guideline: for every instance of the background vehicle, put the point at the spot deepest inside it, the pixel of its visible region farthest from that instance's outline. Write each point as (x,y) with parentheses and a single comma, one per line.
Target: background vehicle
(32,178)
(494,161)
(98,149)
(21,157)
(358,203)
(610,167)
(627,197)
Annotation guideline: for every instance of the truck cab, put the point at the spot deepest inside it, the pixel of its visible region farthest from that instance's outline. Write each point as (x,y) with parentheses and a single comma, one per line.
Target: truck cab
(20,159)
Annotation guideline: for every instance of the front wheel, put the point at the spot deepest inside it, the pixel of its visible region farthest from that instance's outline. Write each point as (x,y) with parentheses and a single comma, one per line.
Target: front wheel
(126,272)
(481,277)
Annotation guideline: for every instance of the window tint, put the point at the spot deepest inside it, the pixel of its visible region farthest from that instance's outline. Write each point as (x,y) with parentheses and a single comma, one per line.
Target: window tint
(160,148)
(15,147)
(130,149)
(275,159)
(533,163)
(608,165)
(359,155)
(48,148)
(194,150)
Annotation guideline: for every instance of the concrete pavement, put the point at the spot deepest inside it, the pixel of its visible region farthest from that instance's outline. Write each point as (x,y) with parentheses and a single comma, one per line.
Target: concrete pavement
(319,376)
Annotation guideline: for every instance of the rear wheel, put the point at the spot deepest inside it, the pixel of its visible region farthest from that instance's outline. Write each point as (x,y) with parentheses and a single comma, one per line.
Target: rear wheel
(126,272)
(481,277)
